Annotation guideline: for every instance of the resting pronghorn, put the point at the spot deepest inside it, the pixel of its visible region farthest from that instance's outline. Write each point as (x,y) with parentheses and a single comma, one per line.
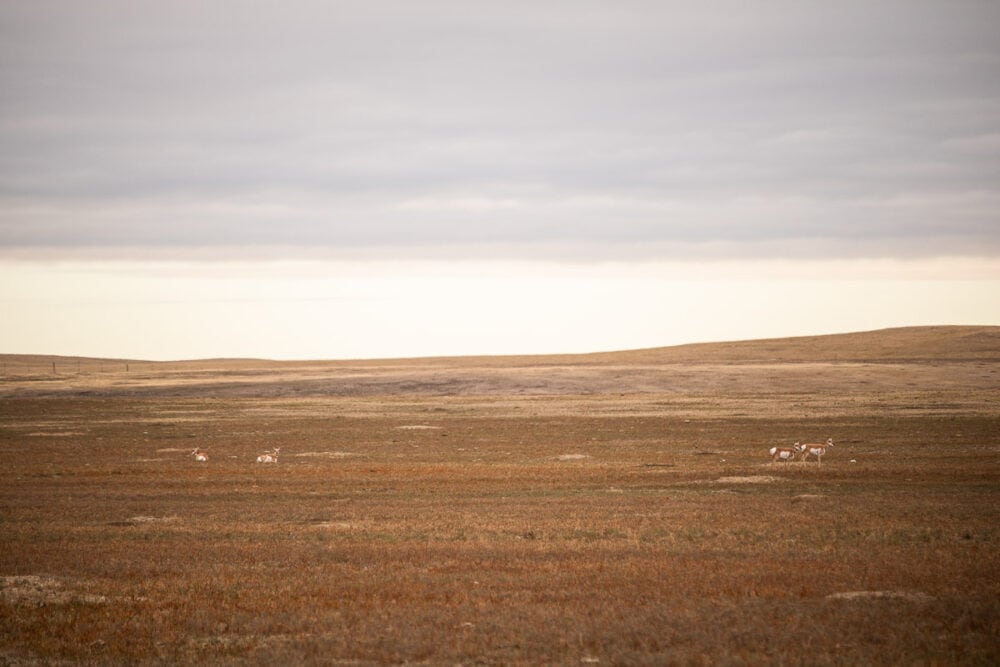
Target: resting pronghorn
(817,450)
(782,453)
(199,455)
(269,457)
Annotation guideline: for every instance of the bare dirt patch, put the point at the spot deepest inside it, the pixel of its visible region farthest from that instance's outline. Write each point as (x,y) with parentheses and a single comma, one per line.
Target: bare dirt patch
(333,525)
(747,479)
(325,455)
(909,596)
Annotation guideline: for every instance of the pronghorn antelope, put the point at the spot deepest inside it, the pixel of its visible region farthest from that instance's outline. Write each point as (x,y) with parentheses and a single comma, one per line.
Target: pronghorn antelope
(816,450)
(269,457)
(782,453)
(199,455)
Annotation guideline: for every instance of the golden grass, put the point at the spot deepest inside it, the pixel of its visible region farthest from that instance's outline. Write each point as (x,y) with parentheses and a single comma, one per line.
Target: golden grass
(553,527)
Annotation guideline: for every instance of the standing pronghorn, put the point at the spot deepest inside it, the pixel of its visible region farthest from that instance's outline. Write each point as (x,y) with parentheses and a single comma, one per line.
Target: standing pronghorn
(782,453)
(269,457)
(817,450)
(199,455)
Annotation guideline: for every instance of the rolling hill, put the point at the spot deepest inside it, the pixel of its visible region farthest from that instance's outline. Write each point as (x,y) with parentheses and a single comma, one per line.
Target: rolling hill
(877,362)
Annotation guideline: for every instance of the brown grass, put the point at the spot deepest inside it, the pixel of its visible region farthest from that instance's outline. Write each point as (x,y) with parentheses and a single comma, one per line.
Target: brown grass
(554,513)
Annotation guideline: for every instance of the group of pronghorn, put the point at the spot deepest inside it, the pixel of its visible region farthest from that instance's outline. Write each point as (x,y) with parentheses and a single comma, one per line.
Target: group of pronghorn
(270,456)
(777,453)
(788,453)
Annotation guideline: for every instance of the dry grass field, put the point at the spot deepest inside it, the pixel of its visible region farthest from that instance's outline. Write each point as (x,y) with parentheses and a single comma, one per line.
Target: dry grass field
(589,509)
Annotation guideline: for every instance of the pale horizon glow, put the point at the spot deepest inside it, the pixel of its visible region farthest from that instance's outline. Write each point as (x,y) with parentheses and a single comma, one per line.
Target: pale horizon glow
(294,310)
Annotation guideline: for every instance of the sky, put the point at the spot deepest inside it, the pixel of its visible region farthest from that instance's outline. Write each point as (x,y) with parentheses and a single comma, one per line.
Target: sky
(378,179)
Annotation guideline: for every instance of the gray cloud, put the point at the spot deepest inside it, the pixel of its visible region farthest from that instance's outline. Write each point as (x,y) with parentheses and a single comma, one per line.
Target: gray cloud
(871,126)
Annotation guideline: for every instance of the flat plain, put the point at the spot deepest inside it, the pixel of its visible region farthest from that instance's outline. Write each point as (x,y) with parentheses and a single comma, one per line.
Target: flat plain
(615,508)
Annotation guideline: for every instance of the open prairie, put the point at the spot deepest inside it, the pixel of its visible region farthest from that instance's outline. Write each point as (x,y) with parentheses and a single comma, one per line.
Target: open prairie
(616,508)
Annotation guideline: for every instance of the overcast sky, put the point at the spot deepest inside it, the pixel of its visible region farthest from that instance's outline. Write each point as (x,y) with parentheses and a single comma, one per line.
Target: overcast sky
(406,125)
(550,131)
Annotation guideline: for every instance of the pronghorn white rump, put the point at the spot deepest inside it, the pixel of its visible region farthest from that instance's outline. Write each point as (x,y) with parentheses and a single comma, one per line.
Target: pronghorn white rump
(782,453)
(269,457)
(814,449)
(199,455)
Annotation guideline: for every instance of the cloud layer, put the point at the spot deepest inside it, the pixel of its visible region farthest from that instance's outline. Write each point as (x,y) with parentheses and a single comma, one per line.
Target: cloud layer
(852,128)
